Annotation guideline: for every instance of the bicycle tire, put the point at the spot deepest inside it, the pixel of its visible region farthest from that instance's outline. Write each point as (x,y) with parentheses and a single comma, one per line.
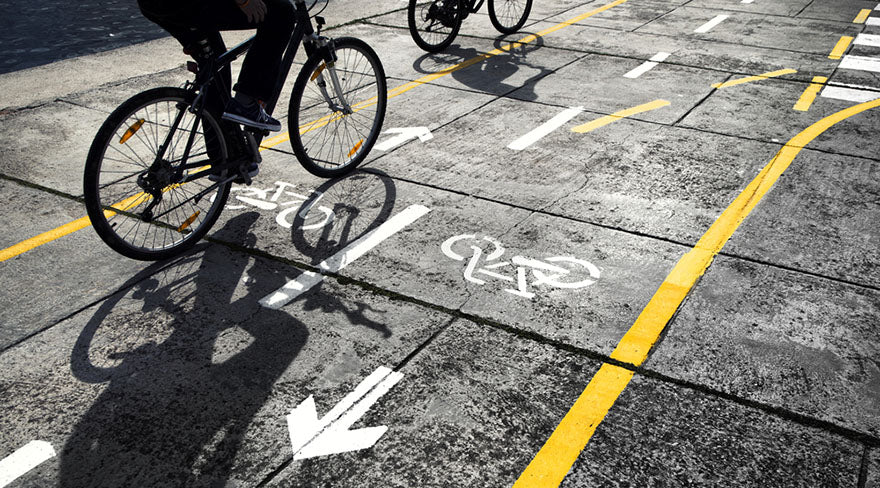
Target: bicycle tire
(444,15)
(123,150)
(327,142)
(508,16)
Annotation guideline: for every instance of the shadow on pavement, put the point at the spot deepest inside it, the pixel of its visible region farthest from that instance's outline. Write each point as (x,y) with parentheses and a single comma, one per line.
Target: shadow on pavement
(490,75)
(189,358)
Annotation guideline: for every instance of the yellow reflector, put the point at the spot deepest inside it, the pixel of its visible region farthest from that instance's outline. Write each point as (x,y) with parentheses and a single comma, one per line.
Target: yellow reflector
(189,221)
(356,147)
(131,130)
(318,72)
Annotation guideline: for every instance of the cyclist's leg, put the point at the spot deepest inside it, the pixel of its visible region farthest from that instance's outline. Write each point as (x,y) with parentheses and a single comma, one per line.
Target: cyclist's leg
(262,64)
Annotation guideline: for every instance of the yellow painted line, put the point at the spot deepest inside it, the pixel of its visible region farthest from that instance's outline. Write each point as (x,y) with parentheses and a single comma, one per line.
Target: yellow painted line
(554,460)
(601,122)
(400,90)
(772,74)
(863,16)
(281,138)
(806,101)
(840,47)
(33,242)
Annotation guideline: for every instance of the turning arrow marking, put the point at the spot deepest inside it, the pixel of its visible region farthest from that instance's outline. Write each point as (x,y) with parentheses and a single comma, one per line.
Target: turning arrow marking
(404,134)
(312,437)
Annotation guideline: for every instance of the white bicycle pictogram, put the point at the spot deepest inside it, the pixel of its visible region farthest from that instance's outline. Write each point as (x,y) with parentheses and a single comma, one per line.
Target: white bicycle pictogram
(282,197)
(557,271)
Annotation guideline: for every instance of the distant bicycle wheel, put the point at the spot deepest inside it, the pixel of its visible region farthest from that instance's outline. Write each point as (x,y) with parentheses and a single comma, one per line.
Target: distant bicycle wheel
(434,24)
(142,207)
(508,16)
(331,134)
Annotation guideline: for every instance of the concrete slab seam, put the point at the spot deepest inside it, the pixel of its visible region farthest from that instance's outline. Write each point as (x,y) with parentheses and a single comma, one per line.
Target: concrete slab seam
(552,463)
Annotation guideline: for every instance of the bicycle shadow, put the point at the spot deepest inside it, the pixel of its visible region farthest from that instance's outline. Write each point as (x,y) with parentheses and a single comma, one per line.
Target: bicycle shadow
(361,201)
(490,75)
(188,358)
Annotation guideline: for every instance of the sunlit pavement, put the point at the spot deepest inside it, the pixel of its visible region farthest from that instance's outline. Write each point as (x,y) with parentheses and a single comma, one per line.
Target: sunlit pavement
(634,244)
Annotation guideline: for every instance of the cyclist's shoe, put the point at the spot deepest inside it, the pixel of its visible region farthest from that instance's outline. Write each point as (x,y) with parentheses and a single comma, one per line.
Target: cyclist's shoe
(252,170)
(251,115)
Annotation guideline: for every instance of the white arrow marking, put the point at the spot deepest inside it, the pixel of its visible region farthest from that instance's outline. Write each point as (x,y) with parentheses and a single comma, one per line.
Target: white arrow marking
(312,437)
(344,257)
(404,134)
(545,128)
(23,460)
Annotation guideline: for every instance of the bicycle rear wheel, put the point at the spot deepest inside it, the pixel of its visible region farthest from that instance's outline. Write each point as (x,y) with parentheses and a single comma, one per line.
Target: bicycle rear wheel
(508,16)
(434,24)
(331,135)
(152,214)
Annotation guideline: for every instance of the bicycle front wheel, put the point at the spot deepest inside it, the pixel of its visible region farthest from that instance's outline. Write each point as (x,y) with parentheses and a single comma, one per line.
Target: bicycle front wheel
(336,112)
(508,16)
(433,24)
(141,204)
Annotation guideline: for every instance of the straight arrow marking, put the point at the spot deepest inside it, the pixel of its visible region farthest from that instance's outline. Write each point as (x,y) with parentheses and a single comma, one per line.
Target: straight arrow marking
(312,437)
(23,460)
(404,134)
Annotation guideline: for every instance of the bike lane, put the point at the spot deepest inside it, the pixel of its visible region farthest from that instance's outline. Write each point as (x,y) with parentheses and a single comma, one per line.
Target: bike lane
(315,469)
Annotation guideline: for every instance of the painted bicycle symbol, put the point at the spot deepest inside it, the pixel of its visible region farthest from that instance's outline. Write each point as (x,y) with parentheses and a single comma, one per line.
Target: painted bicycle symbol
(557,271)
(282,197)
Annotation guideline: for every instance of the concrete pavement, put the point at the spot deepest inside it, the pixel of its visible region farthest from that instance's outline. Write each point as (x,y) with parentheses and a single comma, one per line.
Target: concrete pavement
(766,373)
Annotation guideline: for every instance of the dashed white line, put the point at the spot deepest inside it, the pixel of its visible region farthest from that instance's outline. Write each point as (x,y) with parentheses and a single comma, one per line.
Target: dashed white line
(647,65)
(873,21)
(861,63)
(547,127)
(709,25)
(23,460)
(854,94)
(747,1)
(867,40)
(343,258)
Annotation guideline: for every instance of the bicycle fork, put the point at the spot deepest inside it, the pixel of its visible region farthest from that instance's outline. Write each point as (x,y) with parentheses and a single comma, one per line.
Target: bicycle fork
(327,51)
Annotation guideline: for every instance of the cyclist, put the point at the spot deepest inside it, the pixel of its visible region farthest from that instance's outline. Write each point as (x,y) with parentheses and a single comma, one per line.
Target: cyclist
(196,24)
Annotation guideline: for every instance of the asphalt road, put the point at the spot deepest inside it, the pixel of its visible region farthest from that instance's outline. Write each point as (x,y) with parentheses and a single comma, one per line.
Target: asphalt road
(708,169)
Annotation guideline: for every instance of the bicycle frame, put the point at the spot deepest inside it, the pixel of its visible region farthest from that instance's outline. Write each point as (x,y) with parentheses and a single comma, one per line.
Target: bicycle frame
(208,72)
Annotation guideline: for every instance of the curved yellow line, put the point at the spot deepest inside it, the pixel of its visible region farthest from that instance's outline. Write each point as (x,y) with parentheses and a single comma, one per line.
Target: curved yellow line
(556,457)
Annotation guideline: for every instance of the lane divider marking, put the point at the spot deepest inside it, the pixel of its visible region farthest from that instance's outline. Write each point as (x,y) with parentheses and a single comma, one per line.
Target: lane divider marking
(806,100)
(551,464)
(547,127)
(26,458)
(64,230)
(711,24)
(853,93)
(749,79)
(861,63)
(647,65)
(601,122)
(871,40)
(840,47)
(344,257)
(873,21)
(862,16)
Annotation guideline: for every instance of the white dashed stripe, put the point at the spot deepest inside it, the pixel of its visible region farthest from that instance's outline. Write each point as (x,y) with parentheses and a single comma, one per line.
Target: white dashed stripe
(709,25)
(849,94)
(647,65)
(861,63)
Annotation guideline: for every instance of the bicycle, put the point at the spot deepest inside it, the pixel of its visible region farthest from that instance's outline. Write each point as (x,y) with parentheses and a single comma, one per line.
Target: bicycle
(434,24)
(159,170)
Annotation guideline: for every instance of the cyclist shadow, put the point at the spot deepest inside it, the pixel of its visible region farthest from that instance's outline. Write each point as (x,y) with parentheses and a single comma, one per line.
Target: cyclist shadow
(361,201)
(491,75)
(188,358)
